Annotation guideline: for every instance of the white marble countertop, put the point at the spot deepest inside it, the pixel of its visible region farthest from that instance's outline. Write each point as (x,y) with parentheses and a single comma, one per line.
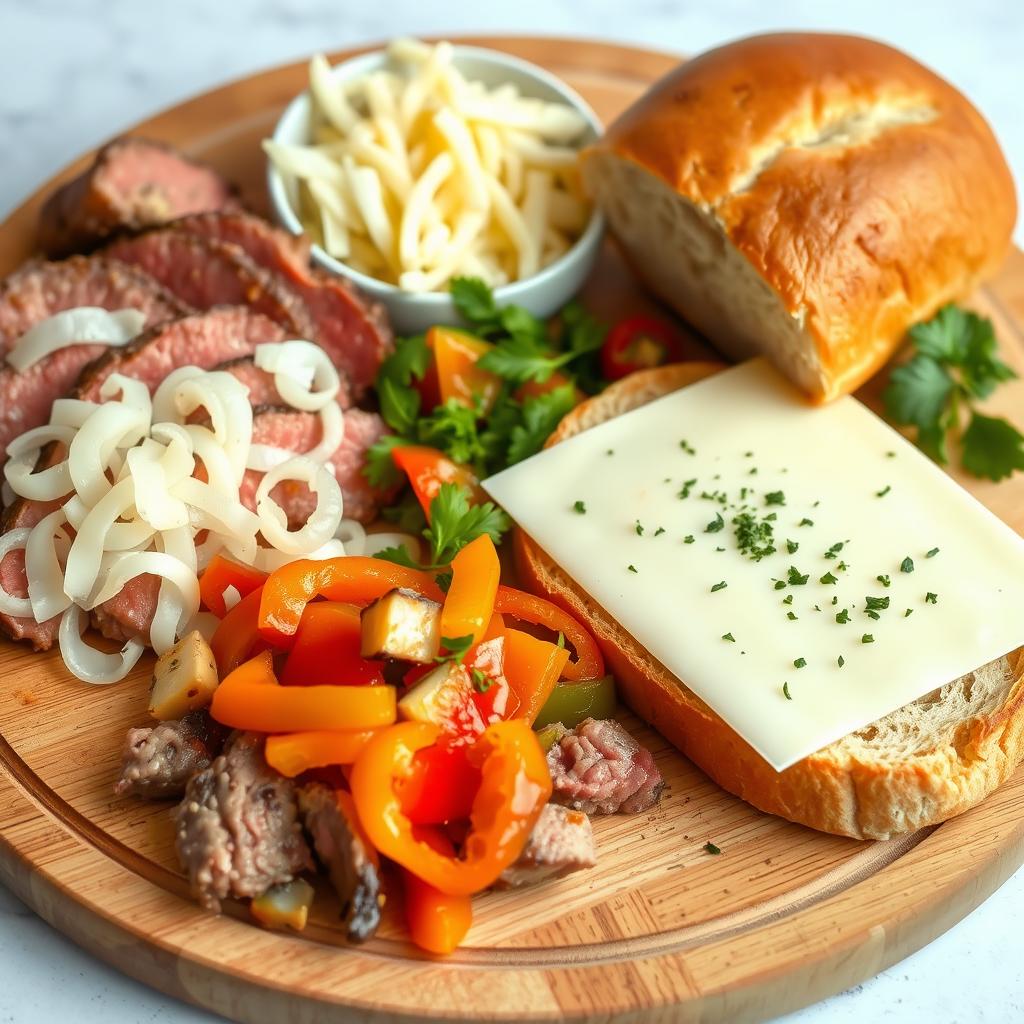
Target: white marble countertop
(75,72)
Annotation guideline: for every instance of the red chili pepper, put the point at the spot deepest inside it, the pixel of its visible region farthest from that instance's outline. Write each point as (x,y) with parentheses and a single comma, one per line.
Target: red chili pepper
(639,343)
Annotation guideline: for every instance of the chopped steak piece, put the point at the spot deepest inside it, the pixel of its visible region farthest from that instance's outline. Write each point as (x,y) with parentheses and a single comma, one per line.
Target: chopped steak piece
(352,331)
(296,431)
(39,290)
(263,391)
(330,820)
(600,769)
(561,842)
(202,339)
(132,184)
(238,831)
(206,273)
(159,761)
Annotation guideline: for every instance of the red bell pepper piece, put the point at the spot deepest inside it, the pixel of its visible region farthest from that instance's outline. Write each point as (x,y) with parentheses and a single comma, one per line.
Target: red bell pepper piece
(326,649)
(222,573)
(440,786)
(639,343)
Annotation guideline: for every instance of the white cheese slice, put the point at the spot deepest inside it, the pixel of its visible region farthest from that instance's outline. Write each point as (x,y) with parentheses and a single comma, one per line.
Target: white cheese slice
(846,478)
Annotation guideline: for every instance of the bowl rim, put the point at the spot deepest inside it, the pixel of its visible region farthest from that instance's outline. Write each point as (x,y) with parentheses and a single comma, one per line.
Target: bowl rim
(382,290)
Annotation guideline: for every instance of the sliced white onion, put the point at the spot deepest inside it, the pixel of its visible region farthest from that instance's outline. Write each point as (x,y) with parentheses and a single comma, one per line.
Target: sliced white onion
(219,471)
(206,623)
(112,425)
(352,534)
(83,325)
(264,457)
(226,399)
(47,544)
(303,374)
(156,470)
(322,523)
(173,610)
(269,559)
(23,454)
(231,596)
(10,604)
(132,392)
(87,663)
(86,554)
(165,407)
(71,412)
(332,433)
(209,511)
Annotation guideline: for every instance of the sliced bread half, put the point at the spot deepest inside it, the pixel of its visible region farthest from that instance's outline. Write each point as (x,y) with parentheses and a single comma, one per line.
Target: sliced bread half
(922,764)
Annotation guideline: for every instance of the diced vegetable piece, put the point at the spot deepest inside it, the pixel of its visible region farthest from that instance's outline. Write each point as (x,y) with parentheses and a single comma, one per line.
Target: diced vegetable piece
(441,784)
(184,678)
(237,637)
(458,376)
(571,703)
(298,752)
(444,697)
(284,906)
(402,625)
(427,468)
(470,601)
(532,668)
(326,650)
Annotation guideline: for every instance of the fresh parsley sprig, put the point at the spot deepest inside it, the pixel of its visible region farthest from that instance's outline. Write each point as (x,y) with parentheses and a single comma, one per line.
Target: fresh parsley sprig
(454,522)
(955,364)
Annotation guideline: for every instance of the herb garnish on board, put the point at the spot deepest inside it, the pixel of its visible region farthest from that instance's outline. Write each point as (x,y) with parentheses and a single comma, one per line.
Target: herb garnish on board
(955,365)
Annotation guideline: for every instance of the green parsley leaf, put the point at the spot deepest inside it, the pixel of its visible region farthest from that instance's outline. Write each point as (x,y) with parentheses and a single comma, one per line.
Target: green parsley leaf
(729,637)
(792,616)
(908,613)
(806,522)
(444,580)
(884,580)
(788,599)
(719,586)
(907,565)
(992,448)
(481,681)
(659,531)
(638,528)
(840,661)
(689,539)
(918,392)
(884,491)
(712,849)
(795,578)
(876,603)
(454,523)
(843,617)
(474,301)
(687,447)
(833,551)
(867,638)
(828,578)
(455,648)
(580,507)
(932,553)
(716,525)
(406,514)
(785,691)
(540,415)
(775,498)
(452,427)
(380,468)
(398,554)
(792,546)
(931,598)
(800,663)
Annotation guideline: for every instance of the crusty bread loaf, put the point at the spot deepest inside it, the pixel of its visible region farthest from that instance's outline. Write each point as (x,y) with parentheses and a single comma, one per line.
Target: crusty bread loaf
(920,765)
(805,196)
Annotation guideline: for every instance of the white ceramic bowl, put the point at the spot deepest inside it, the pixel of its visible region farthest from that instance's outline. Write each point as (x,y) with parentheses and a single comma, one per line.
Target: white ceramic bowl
(544,292)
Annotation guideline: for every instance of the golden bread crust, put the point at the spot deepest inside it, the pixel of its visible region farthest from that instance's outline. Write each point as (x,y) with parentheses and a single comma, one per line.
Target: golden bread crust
(864,189)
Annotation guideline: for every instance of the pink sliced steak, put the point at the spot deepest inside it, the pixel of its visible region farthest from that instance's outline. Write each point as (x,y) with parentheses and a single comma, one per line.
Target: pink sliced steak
(38,291)
(299,432)
(206,273)
(132,184)
(352,331)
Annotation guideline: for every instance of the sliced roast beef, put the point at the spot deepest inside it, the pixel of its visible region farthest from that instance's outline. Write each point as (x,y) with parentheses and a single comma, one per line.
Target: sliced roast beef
(352,331)
(39,290)
(132,184)
(206,273)
(237,828)
(159,761)
(561,842)
(20,513)
(263,391)
(299,432)
(202,339)
(599,768)
(330,820)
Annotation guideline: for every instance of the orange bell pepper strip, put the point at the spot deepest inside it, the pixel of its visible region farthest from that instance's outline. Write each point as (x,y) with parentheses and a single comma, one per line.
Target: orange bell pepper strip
(458,376)
(495,628)
(427,468)
(250,698)
(326,649)
(356,579)
(437,922)
(588,664)
(298,752)
(515,785)
(532,668)
(470,601)
(222,573)
(238,636)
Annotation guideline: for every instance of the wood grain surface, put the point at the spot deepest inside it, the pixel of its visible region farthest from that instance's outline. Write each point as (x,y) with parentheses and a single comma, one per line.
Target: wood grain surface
(659,931)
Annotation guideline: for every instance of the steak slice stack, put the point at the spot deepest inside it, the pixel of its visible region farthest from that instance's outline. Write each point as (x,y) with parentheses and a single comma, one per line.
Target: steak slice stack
(39,290)
(132,184)
(207,273)
(353,332)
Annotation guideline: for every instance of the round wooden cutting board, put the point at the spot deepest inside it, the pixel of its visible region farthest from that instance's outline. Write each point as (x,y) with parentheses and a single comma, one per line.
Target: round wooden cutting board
(659,930)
